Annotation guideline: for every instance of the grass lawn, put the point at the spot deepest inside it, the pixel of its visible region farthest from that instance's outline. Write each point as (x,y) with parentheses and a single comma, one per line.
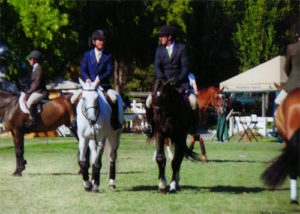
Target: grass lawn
(229,183)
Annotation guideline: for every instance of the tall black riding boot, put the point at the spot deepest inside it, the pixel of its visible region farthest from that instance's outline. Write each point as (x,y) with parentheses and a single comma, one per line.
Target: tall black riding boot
(115,123)
(149,129)
(31,123)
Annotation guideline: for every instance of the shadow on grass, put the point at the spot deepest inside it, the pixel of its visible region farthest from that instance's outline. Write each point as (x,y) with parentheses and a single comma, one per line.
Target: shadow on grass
(78,174)
(6,148)
(237,161)
(216,189)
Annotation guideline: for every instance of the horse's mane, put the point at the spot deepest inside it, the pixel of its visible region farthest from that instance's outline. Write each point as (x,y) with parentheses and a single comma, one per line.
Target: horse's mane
(8,100)
(6,94)
(206,90)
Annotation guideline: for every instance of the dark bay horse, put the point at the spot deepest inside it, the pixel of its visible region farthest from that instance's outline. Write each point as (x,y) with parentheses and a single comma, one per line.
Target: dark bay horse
(172,115)
(287,120)
(206,98)
(54,113)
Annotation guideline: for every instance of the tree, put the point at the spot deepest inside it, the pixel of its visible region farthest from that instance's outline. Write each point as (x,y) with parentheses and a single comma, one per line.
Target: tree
(44,25)
(256,36)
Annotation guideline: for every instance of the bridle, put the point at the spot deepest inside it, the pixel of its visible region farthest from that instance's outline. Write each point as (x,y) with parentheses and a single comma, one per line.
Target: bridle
(84,109)
(207,106)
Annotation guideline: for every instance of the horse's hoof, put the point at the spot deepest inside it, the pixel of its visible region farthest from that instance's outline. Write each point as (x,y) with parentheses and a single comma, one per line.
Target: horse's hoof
(88,189)
(112,186)
(204,159)
(17,174)
(172,191)
(95,190)
(294,202)
(87,185)
(163,191)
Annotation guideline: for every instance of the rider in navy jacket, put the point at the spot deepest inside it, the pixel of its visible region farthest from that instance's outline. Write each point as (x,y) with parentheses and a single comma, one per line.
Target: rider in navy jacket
(176,66)
(97,63)
(90,69)
(171,62)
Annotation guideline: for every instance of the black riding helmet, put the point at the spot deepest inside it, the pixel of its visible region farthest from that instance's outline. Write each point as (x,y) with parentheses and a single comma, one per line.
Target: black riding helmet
(167,30)
(35,54)
(98,34)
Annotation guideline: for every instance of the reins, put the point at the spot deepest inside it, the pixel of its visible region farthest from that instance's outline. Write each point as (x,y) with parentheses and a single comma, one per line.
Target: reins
(84,113)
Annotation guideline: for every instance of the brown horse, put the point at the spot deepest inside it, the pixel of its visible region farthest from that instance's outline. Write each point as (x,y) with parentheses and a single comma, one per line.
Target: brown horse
(287,120)
(206,98)
(171,119)
(54,113)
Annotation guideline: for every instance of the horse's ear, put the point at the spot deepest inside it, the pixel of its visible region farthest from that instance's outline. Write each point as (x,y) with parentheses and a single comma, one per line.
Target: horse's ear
(278,87)
(96,80)
(221,90)
(81,81)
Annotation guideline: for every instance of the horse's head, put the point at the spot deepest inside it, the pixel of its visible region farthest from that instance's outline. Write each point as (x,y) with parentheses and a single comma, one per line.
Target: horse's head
(163,94)
(169,108)
(89,95)
(215,98)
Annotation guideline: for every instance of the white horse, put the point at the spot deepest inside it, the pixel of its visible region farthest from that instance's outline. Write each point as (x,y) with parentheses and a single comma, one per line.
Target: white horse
(94,129)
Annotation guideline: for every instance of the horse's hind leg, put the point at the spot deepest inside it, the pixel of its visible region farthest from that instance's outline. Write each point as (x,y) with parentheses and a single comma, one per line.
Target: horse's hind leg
(114,142)
(161,162)
(18,138)
(203,151)
(178,157)
(294,188)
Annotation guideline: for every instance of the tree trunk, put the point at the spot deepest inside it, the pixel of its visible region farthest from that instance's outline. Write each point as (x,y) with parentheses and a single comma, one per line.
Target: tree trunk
(119,71)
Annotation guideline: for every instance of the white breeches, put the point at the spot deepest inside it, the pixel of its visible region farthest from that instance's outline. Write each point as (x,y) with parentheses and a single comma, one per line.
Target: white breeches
(192,98)
(34,98)
(281,96)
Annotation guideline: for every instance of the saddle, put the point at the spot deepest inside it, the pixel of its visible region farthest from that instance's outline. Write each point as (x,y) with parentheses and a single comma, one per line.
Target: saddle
(37,107)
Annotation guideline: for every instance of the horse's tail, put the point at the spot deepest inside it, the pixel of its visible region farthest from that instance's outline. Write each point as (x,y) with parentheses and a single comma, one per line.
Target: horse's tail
(188,153)
(288,162)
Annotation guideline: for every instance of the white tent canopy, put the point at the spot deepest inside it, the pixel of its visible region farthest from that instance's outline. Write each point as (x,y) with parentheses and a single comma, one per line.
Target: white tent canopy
(259,78)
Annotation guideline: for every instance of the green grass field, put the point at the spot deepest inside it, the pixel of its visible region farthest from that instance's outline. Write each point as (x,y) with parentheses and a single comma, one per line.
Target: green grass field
(229,183)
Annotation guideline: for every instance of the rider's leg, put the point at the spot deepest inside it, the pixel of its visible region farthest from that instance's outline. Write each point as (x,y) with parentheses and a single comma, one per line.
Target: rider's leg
(149,113)
(281,96)
(115,122)
(195,114)
(34,98)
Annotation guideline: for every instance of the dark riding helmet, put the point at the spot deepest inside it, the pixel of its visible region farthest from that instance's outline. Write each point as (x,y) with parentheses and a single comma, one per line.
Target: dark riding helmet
(34,55)
(167,30)
(98,34)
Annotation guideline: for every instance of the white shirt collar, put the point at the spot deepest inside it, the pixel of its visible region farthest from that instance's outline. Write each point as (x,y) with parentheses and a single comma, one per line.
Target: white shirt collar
(33,67)
(97,52)
(171,46)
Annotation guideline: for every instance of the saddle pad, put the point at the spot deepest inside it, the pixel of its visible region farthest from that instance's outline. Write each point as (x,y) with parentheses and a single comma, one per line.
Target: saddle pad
(22,104)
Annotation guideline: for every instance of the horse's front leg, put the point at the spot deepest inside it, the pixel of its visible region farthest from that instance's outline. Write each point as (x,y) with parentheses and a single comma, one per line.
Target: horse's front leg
(114,142)
(84,163)
(161,162)
(176,162)
(18,138)
(96,155)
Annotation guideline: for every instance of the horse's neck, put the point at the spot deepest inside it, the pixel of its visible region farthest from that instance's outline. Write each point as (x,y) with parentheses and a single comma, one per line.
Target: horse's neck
(204,101)
(8,101)
(103,104)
